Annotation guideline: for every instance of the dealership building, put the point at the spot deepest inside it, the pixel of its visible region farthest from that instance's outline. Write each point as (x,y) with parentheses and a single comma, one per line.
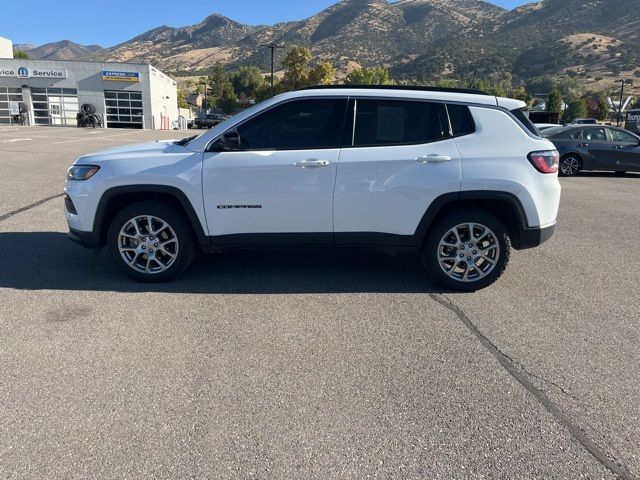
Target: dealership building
(48,92)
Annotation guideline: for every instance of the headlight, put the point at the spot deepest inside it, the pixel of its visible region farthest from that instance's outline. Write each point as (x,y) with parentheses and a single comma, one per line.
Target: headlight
(82,172)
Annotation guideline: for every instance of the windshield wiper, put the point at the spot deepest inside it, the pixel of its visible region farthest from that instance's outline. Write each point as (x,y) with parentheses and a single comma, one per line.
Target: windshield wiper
(185,141)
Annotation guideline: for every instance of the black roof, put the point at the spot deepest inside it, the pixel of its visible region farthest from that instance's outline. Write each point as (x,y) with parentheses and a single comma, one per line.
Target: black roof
(420,88)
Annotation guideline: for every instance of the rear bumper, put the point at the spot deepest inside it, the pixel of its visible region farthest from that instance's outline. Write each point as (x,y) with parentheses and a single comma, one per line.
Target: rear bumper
(533,237)
(86,239)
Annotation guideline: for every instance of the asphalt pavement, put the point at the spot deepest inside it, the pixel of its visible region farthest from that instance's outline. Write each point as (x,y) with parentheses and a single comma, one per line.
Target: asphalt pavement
(274,365)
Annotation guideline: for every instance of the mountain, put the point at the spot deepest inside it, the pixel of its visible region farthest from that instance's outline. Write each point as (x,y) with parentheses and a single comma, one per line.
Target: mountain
(64,50)
(589,40)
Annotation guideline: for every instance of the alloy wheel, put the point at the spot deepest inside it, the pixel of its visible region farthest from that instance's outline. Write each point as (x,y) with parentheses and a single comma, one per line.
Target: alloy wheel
(148,244)
(468,252)
(570,166)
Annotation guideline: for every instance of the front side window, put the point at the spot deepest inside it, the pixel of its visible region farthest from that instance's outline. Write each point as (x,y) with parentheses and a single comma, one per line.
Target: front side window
(297,125)
(594,134)
(391,122)
(620,136)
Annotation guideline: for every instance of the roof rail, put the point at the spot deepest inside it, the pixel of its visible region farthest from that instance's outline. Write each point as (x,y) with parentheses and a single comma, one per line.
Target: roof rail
(422,88)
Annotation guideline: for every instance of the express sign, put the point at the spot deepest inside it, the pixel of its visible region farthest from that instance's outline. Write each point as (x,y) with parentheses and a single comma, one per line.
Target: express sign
(24,72)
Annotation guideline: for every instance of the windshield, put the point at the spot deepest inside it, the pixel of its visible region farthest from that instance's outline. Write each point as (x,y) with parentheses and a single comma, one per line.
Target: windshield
(550,132)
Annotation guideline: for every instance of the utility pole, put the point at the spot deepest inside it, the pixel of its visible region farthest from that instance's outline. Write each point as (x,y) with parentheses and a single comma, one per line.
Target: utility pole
(273,47)
(620,106)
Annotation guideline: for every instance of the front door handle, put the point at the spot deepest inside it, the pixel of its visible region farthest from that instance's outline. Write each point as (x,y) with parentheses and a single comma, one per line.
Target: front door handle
(583,145)
(433,159)
(619,147)
(312,163)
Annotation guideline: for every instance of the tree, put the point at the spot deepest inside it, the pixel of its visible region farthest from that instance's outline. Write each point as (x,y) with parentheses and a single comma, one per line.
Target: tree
(369,76)
(296,68)
(554,102)
(602,113)
(322,74)
(247,80)
(576,108)
(520,93)
(221,93)
(20,54)
(182,100)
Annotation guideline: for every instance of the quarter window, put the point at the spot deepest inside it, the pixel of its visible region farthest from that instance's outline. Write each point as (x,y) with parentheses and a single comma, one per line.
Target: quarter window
(391,122)
(462,122)
(297,125)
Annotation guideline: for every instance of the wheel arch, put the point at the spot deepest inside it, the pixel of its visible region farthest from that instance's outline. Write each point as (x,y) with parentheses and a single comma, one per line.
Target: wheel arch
(505,206)
(116,198)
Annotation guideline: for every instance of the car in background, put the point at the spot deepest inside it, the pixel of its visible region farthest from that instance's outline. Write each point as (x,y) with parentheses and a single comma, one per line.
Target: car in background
(595,147)
(209,120)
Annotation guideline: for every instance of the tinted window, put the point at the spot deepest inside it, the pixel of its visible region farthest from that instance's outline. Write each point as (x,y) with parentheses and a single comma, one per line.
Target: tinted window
(594,134)
(621,136)
(295,125)
(520,115)
(390,122)
(461,120)
(577,134)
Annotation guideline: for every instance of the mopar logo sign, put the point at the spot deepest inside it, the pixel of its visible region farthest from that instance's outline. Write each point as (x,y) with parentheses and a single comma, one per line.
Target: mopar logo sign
(25,72)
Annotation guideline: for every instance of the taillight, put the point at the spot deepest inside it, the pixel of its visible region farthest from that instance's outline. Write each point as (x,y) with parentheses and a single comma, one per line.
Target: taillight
(545,162)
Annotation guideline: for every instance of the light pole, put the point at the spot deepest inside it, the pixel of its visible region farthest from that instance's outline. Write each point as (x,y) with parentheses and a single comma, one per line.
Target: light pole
(620,106)
(273,47)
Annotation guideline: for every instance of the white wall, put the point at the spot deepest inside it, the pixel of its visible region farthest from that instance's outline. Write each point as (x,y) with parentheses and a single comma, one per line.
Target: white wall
(6,48)
(164,98)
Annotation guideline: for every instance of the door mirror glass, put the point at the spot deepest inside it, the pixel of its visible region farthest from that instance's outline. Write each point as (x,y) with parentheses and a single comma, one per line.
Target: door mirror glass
(228,142)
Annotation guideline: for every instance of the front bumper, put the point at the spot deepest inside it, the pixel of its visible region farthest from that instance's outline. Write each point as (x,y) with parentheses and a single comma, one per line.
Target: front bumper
(533,237)
(86,239)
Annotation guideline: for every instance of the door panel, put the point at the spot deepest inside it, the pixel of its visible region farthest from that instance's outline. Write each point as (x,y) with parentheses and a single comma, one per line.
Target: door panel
(387,189)
(599,148)
(626,153)
(266,192)
(399,164)
(282,179)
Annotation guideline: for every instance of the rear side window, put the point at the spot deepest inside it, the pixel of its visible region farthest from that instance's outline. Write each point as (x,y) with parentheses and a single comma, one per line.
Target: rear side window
(397,122)
(520,115)
(461,120)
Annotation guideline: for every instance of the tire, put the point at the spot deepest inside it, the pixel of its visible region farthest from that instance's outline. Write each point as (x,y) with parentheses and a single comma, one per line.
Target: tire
(166,263)
(620,172)
(88,108)
(570,165)
(466,269)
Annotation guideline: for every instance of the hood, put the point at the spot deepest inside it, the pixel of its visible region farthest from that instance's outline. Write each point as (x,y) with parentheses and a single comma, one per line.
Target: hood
(133,151)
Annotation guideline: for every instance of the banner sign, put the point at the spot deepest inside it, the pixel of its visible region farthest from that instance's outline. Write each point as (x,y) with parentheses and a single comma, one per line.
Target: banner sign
(24,72)
(120,76)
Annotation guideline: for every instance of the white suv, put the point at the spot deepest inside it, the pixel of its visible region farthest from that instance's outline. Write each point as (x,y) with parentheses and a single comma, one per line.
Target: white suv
(456,174)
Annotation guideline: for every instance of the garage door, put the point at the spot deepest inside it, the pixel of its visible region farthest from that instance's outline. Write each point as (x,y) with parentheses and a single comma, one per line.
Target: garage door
(8,95)
(55,106)
(124,109)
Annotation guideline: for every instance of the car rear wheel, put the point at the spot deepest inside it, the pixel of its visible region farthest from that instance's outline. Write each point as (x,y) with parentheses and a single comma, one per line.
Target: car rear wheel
(467,250)
(150,241)
(570,165)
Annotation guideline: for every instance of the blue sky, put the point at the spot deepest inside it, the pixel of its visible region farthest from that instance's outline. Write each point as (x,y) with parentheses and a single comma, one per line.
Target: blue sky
(108,22)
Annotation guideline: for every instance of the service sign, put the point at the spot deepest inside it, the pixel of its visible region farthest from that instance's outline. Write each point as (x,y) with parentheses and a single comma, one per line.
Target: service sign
(120,76)
(14,108)
(25,72)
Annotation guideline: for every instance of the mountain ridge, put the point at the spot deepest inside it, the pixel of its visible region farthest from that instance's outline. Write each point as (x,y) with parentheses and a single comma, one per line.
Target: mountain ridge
(417,39)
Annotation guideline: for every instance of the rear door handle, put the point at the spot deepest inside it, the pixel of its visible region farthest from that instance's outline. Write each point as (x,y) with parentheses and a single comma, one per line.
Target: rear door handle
(312,163)
(433,159)
(582,145)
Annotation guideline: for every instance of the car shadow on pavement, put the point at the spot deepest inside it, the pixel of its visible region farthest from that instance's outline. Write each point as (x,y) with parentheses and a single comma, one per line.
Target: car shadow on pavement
(50,261)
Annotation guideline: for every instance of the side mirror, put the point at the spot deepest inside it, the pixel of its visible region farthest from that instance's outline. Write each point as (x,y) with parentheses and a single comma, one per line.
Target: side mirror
(228,142)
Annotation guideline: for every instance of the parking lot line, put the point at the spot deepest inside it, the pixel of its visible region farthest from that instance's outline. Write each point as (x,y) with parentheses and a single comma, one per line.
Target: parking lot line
(97,138)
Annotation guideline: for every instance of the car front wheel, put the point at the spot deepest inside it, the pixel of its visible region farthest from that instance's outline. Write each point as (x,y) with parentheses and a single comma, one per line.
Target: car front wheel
(467,250)
(150,241)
